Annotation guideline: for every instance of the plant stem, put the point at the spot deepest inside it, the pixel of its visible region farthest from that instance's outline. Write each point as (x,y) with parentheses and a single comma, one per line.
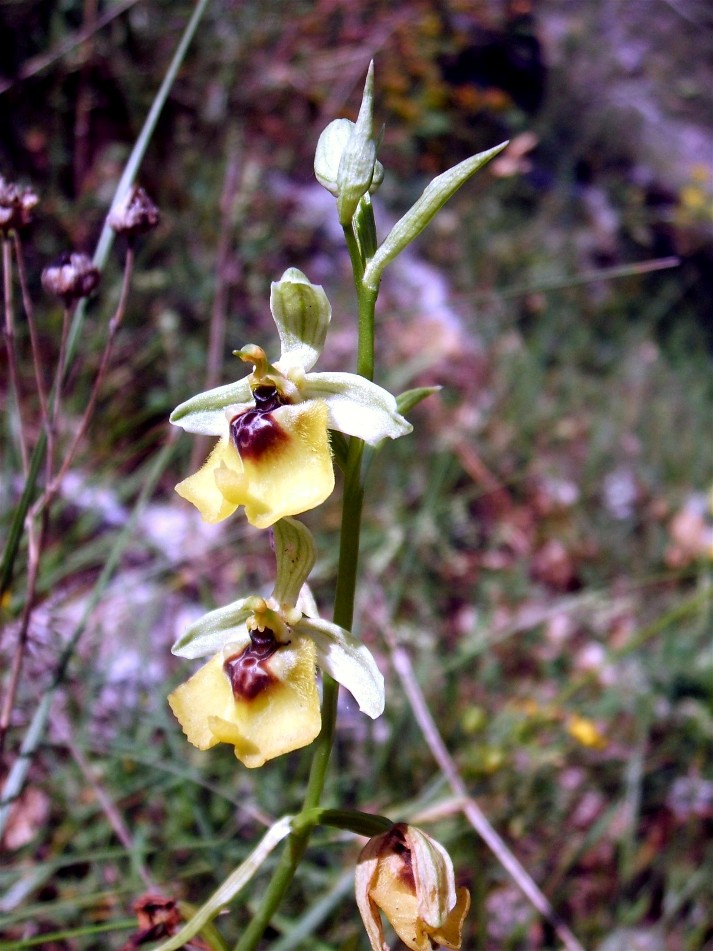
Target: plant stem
(343,615)
(12,370)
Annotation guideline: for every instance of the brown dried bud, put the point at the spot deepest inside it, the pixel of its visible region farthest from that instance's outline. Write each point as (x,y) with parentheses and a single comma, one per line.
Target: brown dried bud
(135,215)
(16,204)
(70,277)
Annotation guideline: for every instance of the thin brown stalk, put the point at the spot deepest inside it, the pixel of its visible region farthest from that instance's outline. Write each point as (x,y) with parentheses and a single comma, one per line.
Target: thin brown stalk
(30,317)
(41,508)
(114,325)
(471,810)
(224,278)
(35,540)
(83,96)
(42,61)
(9,333)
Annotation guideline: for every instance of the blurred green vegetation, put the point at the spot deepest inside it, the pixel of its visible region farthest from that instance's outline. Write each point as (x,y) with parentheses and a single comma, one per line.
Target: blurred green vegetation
(529,544)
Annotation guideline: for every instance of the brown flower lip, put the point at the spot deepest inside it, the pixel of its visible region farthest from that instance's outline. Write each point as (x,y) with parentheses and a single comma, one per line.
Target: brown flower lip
(254,431)
(247,671)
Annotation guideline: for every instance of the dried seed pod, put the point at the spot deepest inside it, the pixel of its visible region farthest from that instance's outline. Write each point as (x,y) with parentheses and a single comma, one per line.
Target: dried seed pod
(135,215)
(72,276)
(16,204)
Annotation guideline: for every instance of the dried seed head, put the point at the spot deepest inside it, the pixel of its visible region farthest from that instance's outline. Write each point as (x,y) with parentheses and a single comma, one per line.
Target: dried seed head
(135,215)
(16,204)
(71,277)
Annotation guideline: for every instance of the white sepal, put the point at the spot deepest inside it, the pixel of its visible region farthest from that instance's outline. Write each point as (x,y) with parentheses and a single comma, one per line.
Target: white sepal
(204,414)
(330,148)
(348,661)
(214,630)
(357,406)
(433,874)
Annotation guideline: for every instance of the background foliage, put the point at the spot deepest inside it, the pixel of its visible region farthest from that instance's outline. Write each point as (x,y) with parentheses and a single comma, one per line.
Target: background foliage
(539,545)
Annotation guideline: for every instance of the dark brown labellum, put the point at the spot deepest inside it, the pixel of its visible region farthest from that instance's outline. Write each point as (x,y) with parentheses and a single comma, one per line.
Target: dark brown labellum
(255,431)
(247,671)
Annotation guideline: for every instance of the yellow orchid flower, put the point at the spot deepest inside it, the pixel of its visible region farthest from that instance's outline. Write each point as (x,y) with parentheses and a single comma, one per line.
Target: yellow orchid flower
(409,877)
(273,455)
(258,692)
(261,697)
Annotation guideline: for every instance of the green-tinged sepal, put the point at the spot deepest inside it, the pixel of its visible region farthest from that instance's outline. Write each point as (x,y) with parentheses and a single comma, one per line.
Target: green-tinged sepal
(214,630)
(345,161)
(357,406)
(204,414)
(330,148)
(302,313)
(295,556)
(348,661)
(435,195)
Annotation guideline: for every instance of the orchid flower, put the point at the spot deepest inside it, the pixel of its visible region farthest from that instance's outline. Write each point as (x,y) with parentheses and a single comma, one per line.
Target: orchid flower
(258,692)
(273,454)
(409,877)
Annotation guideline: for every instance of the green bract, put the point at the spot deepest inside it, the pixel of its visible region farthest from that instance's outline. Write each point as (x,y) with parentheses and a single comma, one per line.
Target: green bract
(435,195)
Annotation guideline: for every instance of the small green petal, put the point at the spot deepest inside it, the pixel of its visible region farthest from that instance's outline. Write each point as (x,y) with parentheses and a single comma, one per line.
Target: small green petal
(295,556)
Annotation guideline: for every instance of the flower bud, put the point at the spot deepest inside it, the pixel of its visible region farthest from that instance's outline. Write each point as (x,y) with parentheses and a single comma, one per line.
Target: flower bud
(345,162)
(408,876)
(135,215)
(16,204)
(72,276)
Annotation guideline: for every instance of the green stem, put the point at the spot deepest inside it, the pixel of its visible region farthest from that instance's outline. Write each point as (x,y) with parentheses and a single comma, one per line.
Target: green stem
(343,615)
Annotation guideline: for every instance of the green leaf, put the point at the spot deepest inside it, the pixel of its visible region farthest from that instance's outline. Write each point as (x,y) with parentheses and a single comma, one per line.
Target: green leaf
(410,398)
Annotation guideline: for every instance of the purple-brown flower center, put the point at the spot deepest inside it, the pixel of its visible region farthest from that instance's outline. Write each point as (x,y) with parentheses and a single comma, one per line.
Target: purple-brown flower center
(247,671)
(255,431)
